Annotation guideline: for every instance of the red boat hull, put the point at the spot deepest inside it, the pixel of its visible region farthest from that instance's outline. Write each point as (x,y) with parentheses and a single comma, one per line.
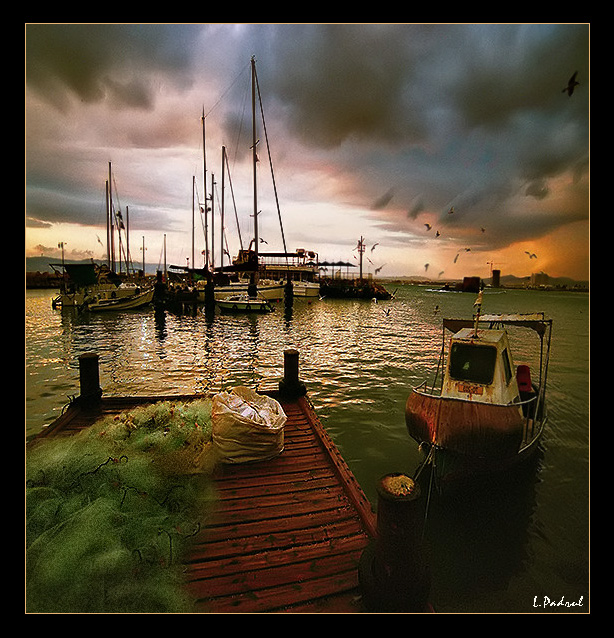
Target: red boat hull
(482,431)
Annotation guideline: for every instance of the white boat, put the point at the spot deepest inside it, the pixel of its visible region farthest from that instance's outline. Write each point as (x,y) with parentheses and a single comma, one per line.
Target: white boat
(306,288)
(486,414)
(269,290)
(136,300)
(244,303)
(85,281)
(267,271)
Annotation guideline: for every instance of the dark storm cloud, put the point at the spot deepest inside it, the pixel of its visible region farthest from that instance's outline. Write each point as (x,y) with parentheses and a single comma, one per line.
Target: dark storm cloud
(412,119)
(465,115)
(113,61)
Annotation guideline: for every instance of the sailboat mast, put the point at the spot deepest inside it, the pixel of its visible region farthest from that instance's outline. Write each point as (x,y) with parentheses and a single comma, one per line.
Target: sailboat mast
(212,221)
(222,210)
(108,225)
(193,189)
(254,158)
(205,193)
(112,225)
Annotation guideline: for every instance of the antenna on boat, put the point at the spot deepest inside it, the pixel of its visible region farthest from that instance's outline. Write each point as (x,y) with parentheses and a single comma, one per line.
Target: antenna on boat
(478,306)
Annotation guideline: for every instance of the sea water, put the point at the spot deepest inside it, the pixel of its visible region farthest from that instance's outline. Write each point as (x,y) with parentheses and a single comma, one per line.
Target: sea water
(518,548)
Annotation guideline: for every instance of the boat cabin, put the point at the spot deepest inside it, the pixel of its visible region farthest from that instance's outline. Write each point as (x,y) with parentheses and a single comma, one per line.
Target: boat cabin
(480,368)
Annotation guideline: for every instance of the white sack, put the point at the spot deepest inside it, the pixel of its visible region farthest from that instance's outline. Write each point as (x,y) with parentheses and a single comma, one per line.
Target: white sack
(247,426)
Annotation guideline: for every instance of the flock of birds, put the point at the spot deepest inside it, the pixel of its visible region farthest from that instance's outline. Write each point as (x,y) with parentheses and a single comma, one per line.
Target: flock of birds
(572,83)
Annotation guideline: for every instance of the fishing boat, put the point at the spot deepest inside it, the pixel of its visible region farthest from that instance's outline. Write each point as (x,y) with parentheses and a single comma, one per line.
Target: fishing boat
(486,414)
(244,303)
(136,300)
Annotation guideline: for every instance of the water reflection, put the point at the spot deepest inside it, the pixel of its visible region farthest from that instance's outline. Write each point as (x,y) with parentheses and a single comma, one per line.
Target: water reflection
(359,360)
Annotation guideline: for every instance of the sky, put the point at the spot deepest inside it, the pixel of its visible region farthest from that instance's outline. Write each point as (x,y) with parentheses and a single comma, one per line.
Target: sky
(452,149)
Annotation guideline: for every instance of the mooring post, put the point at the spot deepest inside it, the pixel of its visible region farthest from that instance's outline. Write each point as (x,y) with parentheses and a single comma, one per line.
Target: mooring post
(393,574)
(89,379)
(291,385)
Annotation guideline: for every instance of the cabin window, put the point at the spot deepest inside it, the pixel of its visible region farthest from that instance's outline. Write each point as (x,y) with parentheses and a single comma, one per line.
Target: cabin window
(472,363)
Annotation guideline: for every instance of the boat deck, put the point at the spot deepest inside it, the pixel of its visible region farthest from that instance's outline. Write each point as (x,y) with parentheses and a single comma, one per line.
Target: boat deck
(286,535)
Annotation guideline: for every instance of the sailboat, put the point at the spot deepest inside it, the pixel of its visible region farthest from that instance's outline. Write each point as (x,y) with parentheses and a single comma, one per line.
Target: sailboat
(487,414)
(251,273)
(82,283)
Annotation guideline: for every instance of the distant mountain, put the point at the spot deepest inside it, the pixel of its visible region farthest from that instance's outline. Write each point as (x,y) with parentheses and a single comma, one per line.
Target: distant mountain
(42,264)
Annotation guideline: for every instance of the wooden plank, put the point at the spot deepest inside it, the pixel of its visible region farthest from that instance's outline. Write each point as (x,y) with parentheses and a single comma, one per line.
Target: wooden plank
(279,535)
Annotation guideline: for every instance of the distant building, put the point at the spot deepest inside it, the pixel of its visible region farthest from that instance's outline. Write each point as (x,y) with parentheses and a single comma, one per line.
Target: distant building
(540,279)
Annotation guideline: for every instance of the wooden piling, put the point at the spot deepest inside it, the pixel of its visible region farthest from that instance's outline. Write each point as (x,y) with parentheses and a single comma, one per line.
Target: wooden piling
(89,380)
(291,385)
(393,574)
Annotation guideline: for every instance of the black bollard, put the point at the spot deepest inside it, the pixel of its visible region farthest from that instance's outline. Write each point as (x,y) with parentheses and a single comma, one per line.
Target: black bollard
(288,293)
(89,383)
(393,574)
(291,385)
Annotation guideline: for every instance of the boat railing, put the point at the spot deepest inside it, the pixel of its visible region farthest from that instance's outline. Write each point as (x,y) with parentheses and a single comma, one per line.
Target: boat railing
(425,389)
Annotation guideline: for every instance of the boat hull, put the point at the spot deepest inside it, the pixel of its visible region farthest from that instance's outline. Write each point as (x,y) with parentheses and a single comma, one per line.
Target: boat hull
(470,438)
(124,303)
(256,305)
(273,292)
(305,289)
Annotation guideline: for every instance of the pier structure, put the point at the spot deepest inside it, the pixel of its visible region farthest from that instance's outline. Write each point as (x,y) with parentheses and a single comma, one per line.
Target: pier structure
(285,535)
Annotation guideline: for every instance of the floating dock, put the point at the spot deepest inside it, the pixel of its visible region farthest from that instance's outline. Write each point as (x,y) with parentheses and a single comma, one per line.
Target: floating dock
(286,534)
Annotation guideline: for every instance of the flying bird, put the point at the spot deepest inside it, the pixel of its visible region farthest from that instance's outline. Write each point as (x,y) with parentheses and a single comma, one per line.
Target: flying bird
(451,211)
(426,267)
(428,226)
(483,229)
(531,255)
(378,269)
(571,85)
(437,234)
(456,258)
(374,245)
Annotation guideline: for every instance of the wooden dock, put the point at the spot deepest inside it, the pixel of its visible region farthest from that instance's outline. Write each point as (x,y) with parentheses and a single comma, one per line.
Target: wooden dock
(286,534)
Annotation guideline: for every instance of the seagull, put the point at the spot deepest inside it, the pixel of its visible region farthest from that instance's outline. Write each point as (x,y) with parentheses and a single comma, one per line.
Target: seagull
(571,85)
(428,226)
(378,269)
(531,255)
(374,245)
(263,241)
(437,234)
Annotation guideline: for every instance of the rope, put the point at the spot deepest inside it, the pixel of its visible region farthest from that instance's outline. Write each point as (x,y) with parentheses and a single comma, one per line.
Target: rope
(266,137)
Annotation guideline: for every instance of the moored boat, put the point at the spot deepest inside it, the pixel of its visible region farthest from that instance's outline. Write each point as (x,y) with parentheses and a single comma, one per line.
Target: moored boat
(244,303)
(136,300)
(268,290)
(485,414)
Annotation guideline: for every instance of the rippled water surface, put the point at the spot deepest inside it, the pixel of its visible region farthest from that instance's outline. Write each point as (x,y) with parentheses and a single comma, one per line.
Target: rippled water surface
(509,550)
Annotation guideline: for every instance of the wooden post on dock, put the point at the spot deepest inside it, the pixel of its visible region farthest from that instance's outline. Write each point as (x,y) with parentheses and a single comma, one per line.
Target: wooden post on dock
(89,380)
(291,385)
(393,574)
